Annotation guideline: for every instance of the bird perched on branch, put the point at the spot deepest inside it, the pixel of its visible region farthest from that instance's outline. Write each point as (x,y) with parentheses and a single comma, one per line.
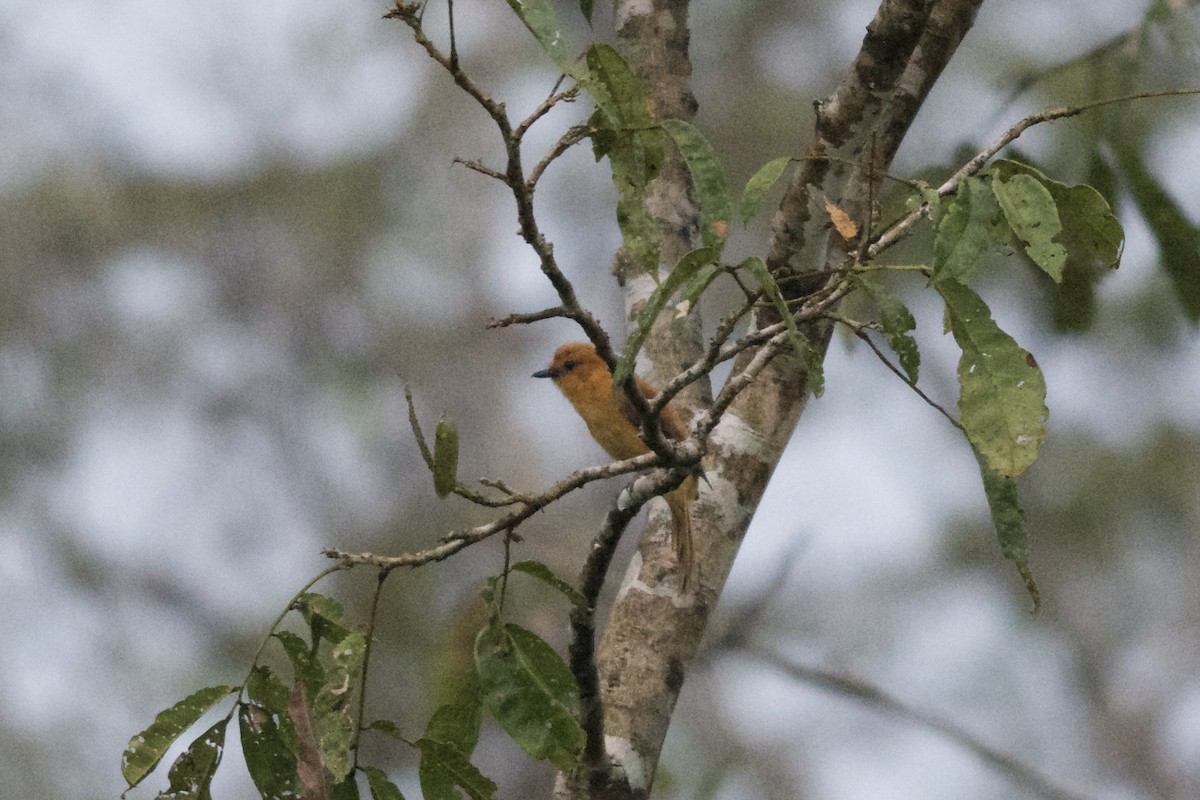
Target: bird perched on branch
(583,377)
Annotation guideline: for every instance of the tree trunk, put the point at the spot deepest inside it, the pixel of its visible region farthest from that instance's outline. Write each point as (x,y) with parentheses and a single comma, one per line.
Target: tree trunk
(653,629)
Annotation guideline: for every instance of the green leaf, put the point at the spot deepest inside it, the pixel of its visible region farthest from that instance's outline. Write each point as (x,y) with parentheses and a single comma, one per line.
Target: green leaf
(381,786)
(147,748)
(458,721)
(965,230)
(683,272)
(622,127)
(618,92)
(1003,393)
(531,692)
(759,184)
(323,615)
(1178,239)
(271,764)
(304,665)
(897,322)
(695,288)
(623,130)
(345,789)
(543,573)
(708,181)
(190,777)
(800,344)
(444,767)
(1009,520)
(542,22)
(638,231)
(1033,216)
(269,693)
(332,709)
(1091,235)
(1093,239)
(585,6)
(445,457)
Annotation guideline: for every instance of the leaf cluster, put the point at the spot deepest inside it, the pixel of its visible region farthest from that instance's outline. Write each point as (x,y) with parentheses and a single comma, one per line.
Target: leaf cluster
(300,739)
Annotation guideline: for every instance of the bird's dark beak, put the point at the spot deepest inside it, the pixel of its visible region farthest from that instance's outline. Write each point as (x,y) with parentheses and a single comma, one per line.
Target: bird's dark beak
(546,373)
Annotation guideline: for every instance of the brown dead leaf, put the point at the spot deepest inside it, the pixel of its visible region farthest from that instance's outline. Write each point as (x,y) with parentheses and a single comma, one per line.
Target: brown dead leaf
(841,221)
(308,760)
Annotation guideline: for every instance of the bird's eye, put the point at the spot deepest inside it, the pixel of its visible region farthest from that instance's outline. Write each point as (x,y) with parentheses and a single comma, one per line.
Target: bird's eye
(570,365)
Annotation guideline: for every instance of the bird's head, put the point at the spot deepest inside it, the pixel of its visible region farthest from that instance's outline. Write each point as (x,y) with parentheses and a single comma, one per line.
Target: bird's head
(575,363)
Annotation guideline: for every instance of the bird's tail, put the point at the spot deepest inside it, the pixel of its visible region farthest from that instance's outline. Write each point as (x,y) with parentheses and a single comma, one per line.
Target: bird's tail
(680,500)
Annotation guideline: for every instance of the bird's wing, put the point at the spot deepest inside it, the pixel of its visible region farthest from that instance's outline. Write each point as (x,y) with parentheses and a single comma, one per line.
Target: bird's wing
(671,423)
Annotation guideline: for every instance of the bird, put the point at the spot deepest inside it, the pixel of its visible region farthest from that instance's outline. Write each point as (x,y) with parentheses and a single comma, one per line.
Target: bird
(586,381)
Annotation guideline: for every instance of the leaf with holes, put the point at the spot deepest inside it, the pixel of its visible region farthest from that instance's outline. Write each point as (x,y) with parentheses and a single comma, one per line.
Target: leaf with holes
(268,737)
(1033,216)
(332,708)
(190,777)
(1002,402)
(147,748)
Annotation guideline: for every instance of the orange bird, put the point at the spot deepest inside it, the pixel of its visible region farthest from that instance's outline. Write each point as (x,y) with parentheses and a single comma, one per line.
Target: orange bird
(586,381)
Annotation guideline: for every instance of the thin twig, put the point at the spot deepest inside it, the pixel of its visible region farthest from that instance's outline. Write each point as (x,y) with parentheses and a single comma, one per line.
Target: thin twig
(525,319)
(860,331)
(279,619)
(362,686)
(572,137)
(899,229)
(544,107)
(454,541)
(477,166)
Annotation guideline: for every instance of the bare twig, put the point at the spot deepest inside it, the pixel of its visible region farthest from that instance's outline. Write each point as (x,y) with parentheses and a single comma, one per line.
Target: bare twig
(717,353)
(860,331)
(366,661)
(513,177)
(525,319)
(544,107)
(454,541)
(422,445)
(477,166)
(572,137)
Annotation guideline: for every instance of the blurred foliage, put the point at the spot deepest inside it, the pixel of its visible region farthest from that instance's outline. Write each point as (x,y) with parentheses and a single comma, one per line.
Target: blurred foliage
(290,252)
